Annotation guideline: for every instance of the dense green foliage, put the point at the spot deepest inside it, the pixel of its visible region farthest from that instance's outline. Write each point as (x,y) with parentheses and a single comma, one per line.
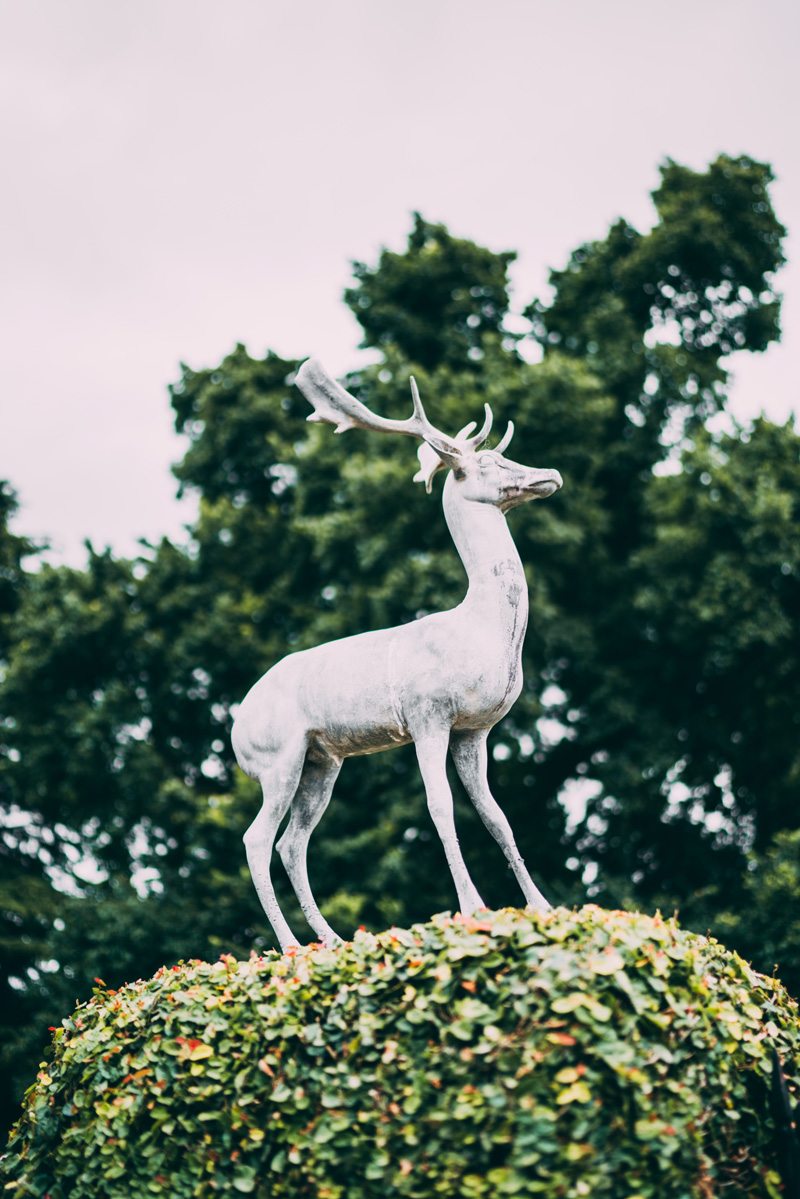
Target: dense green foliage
(590,1053)
(436,302)
(653,758)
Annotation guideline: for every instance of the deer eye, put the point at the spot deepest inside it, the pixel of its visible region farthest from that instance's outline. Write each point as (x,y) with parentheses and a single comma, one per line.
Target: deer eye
(491,459)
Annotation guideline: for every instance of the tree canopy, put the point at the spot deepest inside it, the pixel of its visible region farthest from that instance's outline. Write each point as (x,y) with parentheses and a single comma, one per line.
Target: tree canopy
(652,758)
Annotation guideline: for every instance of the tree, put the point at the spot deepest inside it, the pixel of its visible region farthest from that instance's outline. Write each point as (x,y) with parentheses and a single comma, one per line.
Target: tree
(13,551)
(712,761)
(436,302)
(653,747)
(765,923)
(26,900)
(653,314)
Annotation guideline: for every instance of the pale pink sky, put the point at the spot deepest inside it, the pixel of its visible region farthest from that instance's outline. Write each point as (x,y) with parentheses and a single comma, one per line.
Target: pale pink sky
(182,174)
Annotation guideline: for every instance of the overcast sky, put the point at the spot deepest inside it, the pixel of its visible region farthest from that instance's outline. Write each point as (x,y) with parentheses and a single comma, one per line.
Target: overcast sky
(179,175)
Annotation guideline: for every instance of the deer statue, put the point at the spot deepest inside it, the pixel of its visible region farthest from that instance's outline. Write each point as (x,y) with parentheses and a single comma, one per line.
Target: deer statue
(442,681)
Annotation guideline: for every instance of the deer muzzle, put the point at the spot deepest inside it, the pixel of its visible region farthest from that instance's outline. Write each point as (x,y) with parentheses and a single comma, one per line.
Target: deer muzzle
(540,484)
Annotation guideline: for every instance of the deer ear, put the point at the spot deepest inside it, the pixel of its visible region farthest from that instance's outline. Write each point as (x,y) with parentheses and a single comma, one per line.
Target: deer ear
(432,460)
(429,463)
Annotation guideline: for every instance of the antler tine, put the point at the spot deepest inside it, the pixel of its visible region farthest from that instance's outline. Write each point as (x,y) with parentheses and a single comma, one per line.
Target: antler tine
(420,418)
(424,426)
(505,439)
(419,411)
(474,442)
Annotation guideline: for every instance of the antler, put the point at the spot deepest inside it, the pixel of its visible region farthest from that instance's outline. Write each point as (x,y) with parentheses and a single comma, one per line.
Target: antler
(335,406)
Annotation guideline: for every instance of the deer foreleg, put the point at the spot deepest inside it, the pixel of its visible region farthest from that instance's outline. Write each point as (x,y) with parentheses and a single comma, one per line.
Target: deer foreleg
(470,757)
(432,758)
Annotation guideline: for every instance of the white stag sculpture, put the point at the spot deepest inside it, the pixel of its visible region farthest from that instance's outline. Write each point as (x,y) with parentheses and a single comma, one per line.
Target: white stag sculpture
(442,681)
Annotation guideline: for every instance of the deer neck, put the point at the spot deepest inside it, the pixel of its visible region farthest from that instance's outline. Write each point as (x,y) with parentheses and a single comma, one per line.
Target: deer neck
(498,591)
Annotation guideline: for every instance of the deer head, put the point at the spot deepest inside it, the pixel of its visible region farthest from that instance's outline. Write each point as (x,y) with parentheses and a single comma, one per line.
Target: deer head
(481,475)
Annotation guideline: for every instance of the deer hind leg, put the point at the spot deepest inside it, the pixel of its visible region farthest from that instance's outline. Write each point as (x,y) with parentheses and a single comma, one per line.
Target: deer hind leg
(279,780)
(469,754)
(312,798)
(432,758)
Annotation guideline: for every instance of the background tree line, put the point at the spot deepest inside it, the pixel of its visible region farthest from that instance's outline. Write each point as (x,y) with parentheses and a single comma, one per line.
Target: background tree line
(653,758)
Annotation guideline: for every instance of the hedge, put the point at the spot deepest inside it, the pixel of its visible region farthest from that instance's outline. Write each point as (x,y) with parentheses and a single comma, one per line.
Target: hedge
(579,1053)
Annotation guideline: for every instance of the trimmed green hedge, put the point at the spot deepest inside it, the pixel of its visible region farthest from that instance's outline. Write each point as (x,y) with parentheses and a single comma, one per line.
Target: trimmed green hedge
(585,1053)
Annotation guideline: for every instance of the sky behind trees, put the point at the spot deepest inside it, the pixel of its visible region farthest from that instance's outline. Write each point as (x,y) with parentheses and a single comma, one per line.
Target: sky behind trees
(181,177)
